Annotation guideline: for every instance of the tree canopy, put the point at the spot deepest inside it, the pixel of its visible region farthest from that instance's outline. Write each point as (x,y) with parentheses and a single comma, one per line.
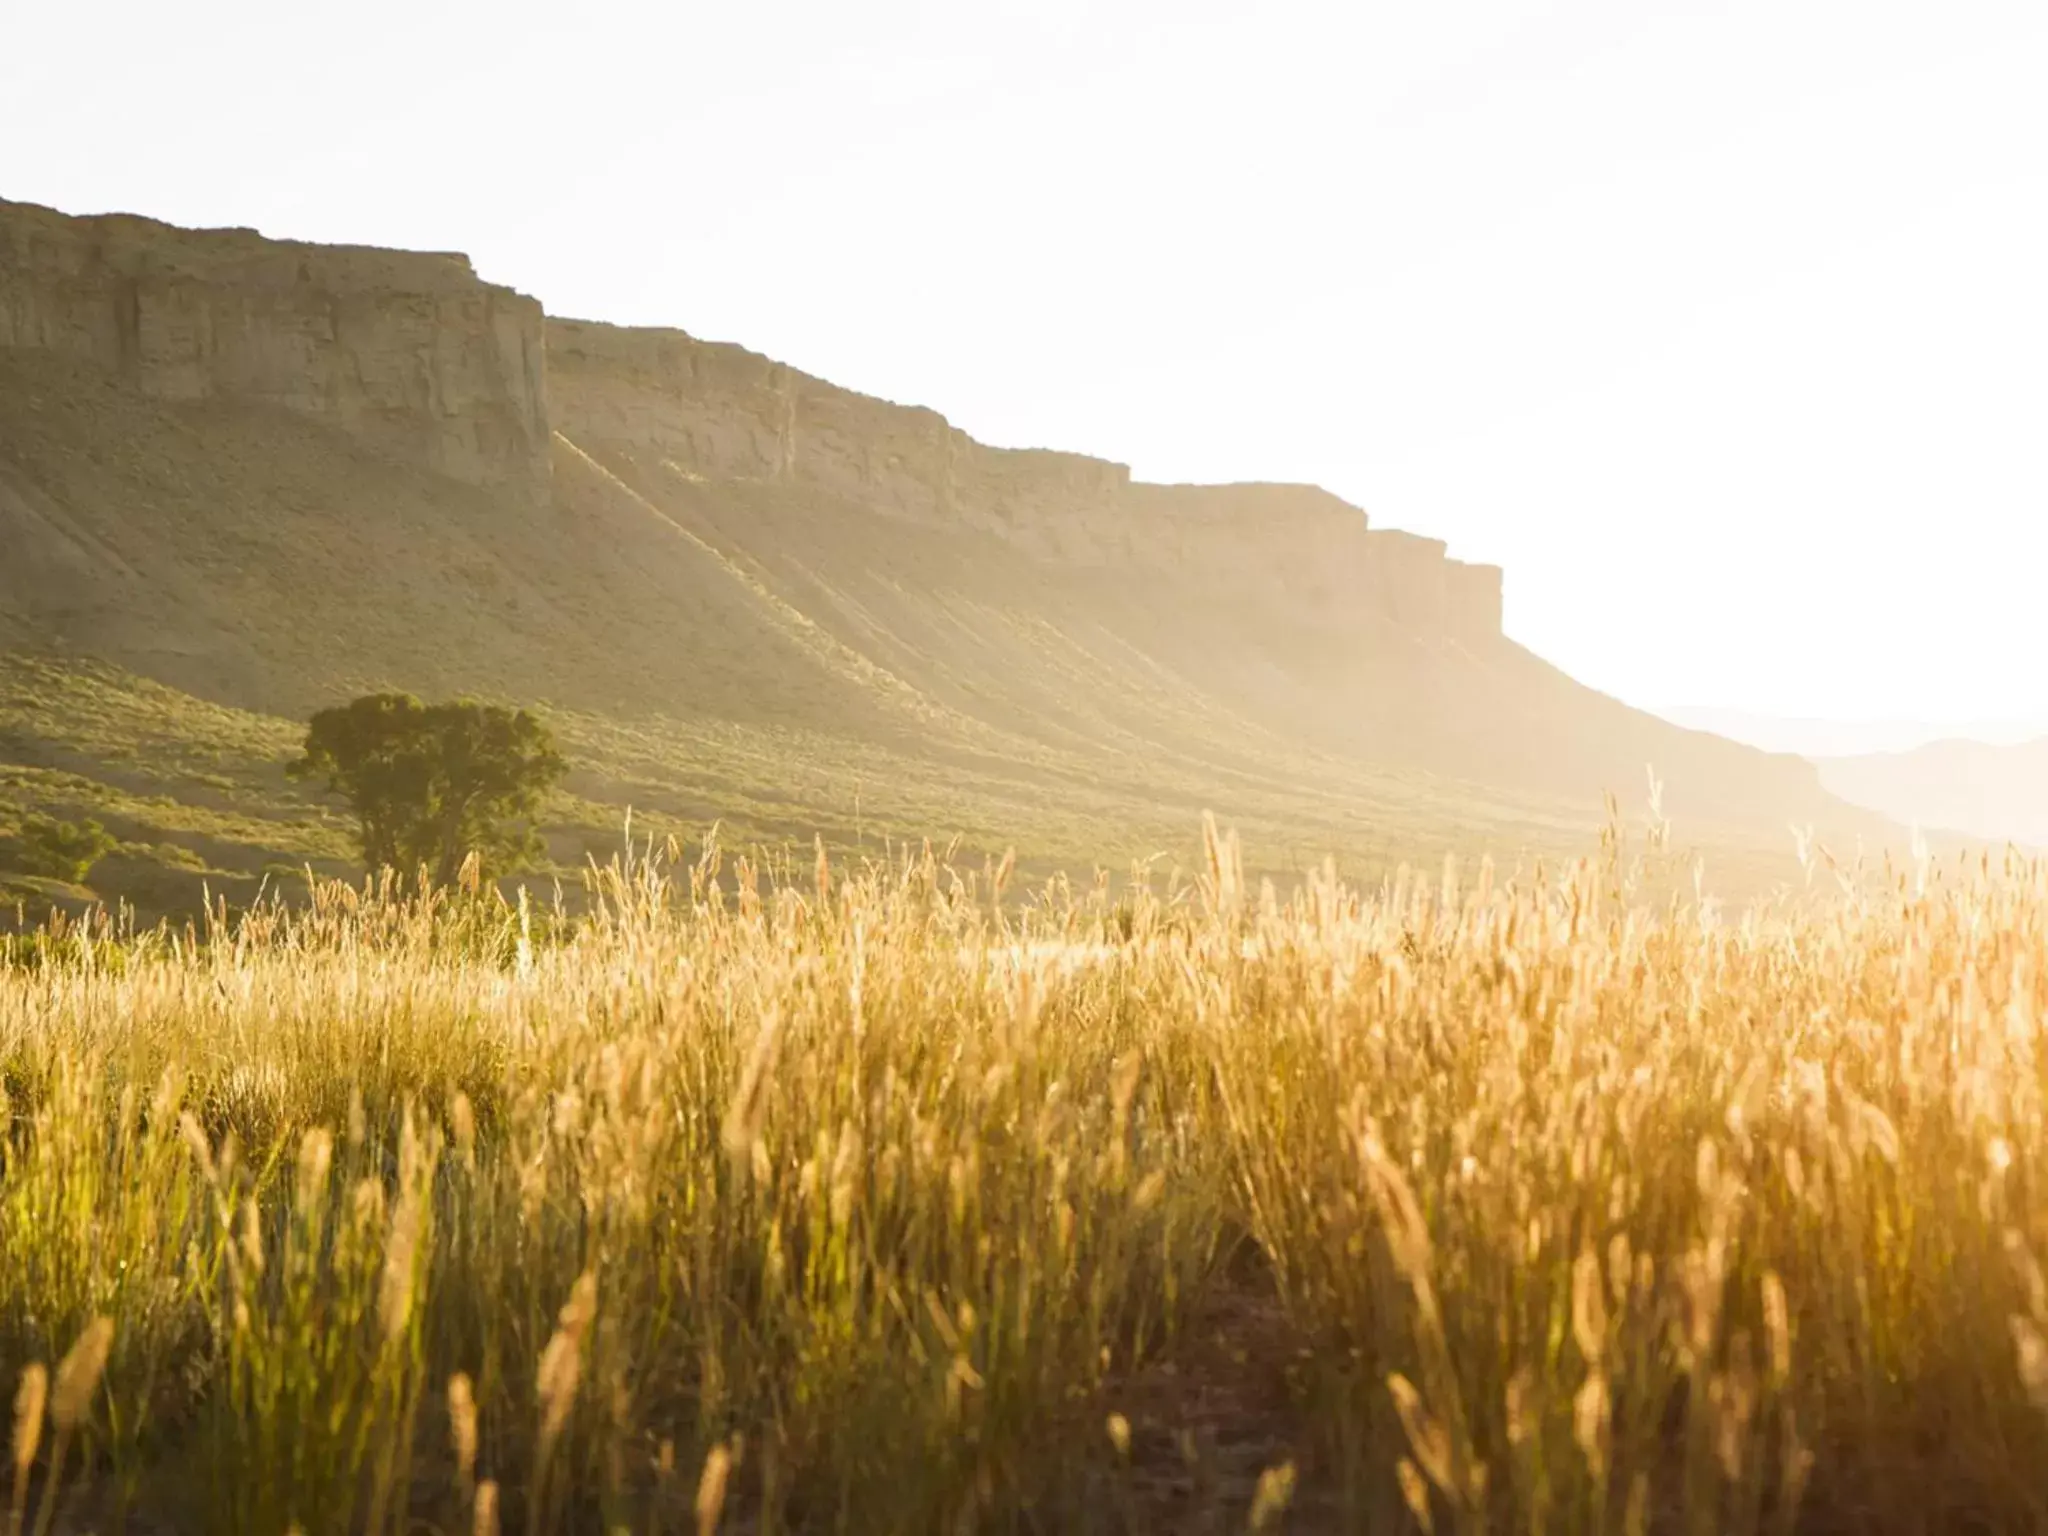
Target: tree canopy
(431,783)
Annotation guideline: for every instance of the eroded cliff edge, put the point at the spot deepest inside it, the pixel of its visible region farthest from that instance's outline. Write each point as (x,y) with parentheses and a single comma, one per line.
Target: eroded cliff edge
(720,412)
(415,353)
(411,351)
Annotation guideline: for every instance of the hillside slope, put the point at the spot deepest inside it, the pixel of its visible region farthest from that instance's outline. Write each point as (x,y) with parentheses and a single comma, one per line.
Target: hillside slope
(1982,790)
(263,475)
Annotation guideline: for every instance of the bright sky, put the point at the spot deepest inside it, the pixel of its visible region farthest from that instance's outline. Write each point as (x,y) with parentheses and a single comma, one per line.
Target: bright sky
(1723,326)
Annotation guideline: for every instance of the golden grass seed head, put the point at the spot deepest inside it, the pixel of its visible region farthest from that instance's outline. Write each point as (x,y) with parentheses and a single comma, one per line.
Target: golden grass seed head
(79,1372)
(398,1287)
(1777,1327)
(2030,1353)
(561,1362)
(30,1398)
(1520,1403)
(1427,1438)
(1732,1395)
(1620,1269)
(194,1137)
(462,1125)
(366,1206)
(1592,1423)
(1149,1190)
(1589,1307)
(1275,1491)
(556,1379)
(316,1161)
(462,1425)
(1415,1494)
(711,1485)
(249,1239)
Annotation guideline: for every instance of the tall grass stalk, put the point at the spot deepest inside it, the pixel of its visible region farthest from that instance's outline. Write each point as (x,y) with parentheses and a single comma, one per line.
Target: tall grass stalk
(873,1195)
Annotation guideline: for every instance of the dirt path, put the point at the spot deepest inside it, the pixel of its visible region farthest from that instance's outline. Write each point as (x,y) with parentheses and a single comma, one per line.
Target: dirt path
(1221,1411)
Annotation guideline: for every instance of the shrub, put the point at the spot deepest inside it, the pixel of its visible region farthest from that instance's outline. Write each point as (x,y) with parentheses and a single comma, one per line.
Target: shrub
(62,850)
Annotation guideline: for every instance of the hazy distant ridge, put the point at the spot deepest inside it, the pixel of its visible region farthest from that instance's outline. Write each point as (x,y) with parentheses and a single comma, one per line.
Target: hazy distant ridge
(1981,789)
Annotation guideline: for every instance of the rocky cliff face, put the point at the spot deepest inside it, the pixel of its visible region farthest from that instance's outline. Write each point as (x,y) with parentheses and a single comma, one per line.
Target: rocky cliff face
(416,353)
(267,473)
(721,412)
(411,350)
(714,411)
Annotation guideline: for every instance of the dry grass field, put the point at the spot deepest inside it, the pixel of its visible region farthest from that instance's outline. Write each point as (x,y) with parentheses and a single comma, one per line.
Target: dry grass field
(889,1199)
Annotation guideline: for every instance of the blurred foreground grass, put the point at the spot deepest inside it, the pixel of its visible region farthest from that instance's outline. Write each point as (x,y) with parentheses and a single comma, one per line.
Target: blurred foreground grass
(860,1200)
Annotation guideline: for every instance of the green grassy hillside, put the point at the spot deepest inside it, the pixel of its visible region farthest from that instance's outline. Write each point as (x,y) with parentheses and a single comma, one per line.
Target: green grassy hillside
(197,794)
(184,582)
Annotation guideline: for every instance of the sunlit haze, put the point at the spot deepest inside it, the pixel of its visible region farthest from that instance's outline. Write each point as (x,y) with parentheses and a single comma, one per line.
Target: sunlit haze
(1720,326)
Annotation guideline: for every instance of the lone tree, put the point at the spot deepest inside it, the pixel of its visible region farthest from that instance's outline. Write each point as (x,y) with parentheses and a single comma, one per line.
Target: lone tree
(429,783)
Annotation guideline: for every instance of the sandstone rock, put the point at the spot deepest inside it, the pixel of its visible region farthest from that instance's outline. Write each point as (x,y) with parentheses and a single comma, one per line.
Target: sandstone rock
(714,411)
(412,350)
(722,412)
